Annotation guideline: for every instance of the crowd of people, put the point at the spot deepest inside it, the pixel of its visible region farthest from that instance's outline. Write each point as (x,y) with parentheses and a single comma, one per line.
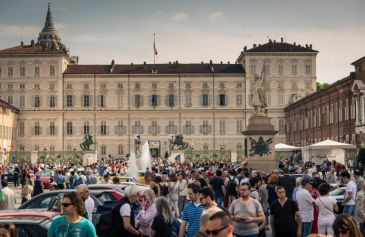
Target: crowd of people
(206,199)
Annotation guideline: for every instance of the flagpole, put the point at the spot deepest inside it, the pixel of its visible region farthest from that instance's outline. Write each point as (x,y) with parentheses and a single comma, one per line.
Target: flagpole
(154,52)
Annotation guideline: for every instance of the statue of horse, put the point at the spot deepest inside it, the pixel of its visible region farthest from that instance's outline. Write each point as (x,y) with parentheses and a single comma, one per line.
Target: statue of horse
(177,142)
(87,142)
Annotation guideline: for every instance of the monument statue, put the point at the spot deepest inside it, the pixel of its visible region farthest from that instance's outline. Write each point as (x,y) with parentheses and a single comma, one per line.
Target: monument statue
(259,100)
(88,141)
(178,141)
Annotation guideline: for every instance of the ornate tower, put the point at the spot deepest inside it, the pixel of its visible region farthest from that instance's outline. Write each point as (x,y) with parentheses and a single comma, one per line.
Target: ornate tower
(49,37)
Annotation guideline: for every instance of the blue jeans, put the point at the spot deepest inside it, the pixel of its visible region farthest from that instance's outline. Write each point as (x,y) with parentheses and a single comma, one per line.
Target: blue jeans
(349,209)
(219,199)
(306,228)
(254,235)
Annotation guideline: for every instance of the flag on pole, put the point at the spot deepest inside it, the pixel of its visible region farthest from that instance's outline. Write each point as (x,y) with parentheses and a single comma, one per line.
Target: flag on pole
(154,45)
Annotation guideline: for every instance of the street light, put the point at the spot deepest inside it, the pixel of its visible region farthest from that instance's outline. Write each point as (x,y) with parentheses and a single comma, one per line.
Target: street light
(222,151)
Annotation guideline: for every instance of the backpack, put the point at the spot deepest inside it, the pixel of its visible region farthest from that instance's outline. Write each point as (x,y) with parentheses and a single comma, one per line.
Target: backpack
(231,185)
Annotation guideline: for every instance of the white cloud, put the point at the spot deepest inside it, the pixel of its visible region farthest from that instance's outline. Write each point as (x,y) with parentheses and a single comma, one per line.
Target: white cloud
(15,30)
(215,15)
(89,38)
(180,17)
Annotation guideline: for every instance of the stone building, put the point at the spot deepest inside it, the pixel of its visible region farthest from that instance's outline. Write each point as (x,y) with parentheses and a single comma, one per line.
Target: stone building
(208,103)
(8,121)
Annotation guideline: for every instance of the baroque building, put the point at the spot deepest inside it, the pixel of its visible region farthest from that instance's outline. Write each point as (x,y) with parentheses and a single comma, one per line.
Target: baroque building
(8,121)
(60,101)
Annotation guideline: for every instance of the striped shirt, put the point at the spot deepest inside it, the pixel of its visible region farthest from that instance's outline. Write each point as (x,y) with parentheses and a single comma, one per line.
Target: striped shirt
(192,215)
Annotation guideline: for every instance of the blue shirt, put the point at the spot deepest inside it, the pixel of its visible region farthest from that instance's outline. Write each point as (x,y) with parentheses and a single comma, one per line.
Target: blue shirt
(60,227)
(217,183)
(192,216)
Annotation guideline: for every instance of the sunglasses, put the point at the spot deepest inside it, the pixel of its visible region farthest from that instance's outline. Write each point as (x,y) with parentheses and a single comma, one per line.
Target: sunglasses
(215,232)
(342,232)
(66,204)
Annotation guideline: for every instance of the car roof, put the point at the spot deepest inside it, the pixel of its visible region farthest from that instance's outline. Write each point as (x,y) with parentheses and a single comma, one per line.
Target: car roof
(35,216)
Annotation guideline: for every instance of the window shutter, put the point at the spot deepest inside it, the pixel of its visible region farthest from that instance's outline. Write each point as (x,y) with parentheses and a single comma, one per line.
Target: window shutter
(82,101)
(209,129)
(201,100)
(116,130)
(158,100)
(134,129)
(167,100)
(55,130)
(99,101)
(141,100)
(176,101)
(210,100)
(142,129)
(201,129)
(33,130)
(158,129)
(107,130)
(226,100)
(192,129)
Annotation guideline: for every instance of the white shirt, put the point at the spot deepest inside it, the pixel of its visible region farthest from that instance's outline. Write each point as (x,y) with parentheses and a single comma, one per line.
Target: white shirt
(325,206)
(9,203)
(89,205)
(125,210)
(305,204)
(351,187)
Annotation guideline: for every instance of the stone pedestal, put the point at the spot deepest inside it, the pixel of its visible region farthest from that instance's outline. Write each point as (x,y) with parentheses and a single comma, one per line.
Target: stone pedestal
(260,136)
(34,157)
(89,157)
(177,156)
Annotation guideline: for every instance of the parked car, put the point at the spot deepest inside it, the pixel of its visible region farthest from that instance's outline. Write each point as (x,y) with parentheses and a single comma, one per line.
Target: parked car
(339,194)
(117,187)
(45,176)
(51,201)
(29,223)
(8,174)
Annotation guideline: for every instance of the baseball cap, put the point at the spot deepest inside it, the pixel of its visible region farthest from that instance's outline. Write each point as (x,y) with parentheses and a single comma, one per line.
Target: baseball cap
(307,181)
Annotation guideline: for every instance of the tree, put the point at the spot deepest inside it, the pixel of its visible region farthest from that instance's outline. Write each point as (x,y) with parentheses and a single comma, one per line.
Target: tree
(361,156)
(321,86)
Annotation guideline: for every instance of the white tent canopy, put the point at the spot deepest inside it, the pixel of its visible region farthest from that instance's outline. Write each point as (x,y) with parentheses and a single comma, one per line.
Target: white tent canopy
(329,144)
(285,147)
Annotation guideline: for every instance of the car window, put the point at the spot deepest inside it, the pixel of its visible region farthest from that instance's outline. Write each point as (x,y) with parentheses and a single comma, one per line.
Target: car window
(31,231)
(41,202)
(108,196)
(337,192)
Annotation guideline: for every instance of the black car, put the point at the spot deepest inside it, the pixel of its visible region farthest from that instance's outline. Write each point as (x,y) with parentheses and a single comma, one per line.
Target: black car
(8,174)
(29,223)
(51,201)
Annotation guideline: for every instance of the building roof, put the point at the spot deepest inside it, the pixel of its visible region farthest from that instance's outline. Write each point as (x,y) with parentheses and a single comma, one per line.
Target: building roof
(359,60)
(273,46)
(6,105)
(173,68)
(30,49)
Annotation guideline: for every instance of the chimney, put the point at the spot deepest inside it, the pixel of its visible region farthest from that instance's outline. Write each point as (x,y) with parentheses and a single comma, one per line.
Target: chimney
(245,48)
(170,62)
(274,41)
(306,45)
(21,43)
(177,62)
(32,43)
(229,62)
(295,44)
(254,45)
(202,62)
(282,40)
(221,62)
(310,46)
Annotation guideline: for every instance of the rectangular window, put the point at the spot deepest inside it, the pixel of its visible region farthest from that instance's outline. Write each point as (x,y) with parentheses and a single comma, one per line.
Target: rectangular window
(205,128)
(239,100)
(10,99)
(154,100)
(308,70)
(52,101)
(36,102)
(119,129)
(281,126)
(22,86)
(189,129)
(222,99)
(10,71)
(205,100)
(52,70)
(253,69)
(22,71)
(22,101)
(0,72)
(37,71)
(308,85)
(137,101)
(222,127)
(86,100)
(239,127)
(52,129)
(280,69)
(21,129)
(69,100)
(267,69)
(188,100)
(37,129)
(281,98)
(171,102)
(103,128)
(101,101)
(294,69)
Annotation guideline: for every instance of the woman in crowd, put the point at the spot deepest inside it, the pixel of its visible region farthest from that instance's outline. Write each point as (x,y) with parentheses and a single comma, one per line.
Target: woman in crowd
(27,191)
(8,230)
(270,187)
(72,223)
(183,188)
(326,205)
(148,211)
(173,197)
(162,223)
(345,226)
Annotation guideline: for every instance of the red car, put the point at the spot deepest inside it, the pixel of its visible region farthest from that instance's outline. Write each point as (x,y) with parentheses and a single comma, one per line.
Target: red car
(45,176)
(30,223)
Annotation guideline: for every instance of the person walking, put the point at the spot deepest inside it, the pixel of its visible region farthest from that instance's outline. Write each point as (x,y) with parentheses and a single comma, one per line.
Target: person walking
(27,191)
(285,218)
(60,180)
(360,209)
(192,212)
(89,203)
(183,188)
(173,195)
(305,205)
(327,205)
(349,201)
(162,223)
(345,226)
(246,213)
(288,182)
(38,186)
(220,225)
(72,224)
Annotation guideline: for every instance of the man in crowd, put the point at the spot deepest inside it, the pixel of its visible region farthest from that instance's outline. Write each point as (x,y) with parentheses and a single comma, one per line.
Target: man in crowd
(83,190)
(288,182)
(285,218)
(204,220)
(217,184)
(360,209)
(305,204)
(351,188)
(359,179)
(192,213)
(246,213)
(220,225)
(9,197)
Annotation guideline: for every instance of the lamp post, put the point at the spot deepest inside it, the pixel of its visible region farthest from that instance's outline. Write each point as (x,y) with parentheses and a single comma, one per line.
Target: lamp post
(222,151)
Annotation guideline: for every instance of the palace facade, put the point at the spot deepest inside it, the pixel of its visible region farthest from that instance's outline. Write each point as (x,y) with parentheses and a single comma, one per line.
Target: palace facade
(209,103)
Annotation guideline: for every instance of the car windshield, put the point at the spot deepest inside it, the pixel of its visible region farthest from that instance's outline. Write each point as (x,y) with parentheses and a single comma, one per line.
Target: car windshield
(109,196)
(44,173)
(337,192)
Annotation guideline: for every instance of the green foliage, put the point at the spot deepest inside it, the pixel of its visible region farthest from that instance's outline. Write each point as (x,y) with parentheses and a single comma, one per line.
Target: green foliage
(321,86)
(361,156)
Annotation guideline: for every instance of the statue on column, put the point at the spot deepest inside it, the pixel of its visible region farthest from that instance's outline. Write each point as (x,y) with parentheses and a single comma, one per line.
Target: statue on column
(259,100)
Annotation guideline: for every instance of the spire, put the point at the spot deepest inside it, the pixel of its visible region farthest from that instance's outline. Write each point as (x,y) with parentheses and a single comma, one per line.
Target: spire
(49,37)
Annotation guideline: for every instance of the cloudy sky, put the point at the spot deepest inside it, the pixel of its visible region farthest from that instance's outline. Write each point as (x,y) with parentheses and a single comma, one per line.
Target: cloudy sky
(192,31)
